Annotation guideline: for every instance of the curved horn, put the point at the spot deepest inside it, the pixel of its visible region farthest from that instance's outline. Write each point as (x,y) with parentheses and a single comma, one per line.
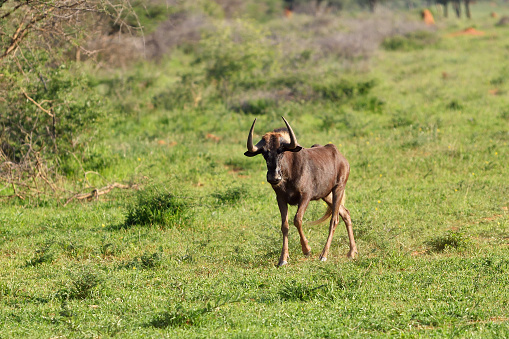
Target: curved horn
(293,140)
(250,147)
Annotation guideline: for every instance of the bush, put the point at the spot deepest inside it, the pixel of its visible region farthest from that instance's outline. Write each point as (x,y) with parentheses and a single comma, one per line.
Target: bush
(48,118)
(371,104)
(156,207)
(42,255)
(450,240)
(81,285)
(231,195)
(146,260)
(454,105)
(179,316)
(410,41)
(296,291)
(238,52)
(256,105)
(342,89)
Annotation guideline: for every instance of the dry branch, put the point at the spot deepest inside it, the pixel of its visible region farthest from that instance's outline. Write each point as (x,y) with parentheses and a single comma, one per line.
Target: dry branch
(96,192)
(38,105)
(32,146)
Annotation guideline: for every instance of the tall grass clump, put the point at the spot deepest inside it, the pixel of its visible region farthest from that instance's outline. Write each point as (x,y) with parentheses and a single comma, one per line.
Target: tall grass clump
(154,206)
(451,240)
(80,286)
(180,315)
(145,261)
(42,255)
(297,291)
(231,195)
(416,40)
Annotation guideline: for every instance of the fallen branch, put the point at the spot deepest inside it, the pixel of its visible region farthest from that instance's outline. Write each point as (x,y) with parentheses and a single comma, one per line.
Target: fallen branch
(38,105)
(96,192)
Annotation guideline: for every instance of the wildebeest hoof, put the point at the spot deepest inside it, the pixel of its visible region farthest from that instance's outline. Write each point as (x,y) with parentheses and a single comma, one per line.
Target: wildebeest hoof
(323,259)
(282,263)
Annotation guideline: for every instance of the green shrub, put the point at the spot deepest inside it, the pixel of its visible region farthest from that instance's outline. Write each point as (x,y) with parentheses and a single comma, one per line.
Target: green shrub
(450,240)
(49,116)
(336,120)
(107,248)
(255,106)
(42,255)
(297,291)
(81,285)
(343,90)
(504,115)
(371,104)
(154,206)
(149,14)
(179,316)
(66,95)
(146,260)
(411,41)
(231,195)
(238,52)
(401,119)
(335,91)
(176,97)
(454,105)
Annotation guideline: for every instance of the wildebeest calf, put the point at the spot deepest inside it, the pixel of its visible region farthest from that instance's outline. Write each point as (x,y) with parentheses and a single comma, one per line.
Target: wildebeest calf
(299,175)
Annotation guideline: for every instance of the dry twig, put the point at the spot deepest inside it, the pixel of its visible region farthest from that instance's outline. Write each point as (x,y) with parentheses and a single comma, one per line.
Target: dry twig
(96,192)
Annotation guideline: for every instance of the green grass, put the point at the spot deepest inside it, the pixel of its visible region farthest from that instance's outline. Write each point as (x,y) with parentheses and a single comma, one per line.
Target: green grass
(193,253)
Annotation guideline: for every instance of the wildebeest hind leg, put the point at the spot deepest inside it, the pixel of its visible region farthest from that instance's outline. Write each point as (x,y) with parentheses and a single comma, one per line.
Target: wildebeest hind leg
(337,195)
(345,214)
(297,221)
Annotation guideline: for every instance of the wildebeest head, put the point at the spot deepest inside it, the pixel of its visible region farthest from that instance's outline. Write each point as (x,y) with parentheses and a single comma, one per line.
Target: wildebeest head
(272,147)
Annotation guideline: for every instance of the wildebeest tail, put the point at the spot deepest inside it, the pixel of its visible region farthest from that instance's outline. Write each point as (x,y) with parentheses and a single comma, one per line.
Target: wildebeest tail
(328,212)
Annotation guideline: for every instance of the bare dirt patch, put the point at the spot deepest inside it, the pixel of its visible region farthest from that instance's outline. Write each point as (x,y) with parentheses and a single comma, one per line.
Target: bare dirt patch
(468,31)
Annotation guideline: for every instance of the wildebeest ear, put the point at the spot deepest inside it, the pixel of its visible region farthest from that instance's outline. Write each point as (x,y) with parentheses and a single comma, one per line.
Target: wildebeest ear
(251,154)
(296,149)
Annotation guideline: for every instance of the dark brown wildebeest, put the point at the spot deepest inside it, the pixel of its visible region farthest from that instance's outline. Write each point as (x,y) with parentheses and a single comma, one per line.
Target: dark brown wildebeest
(299,175)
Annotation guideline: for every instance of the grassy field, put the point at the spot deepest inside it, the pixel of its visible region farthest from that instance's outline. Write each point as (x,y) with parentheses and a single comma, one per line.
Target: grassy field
(192,253)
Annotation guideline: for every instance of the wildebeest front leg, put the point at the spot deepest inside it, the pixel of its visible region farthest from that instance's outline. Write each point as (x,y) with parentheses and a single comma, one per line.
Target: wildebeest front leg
(283,208)
(297,221)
